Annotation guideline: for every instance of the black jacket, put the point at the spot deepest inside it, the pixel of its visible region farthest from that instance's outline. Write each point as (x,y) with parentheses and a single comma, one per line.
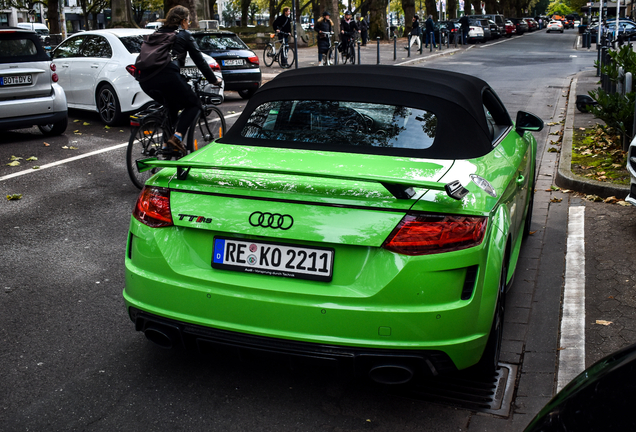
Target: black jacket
(430,25)
(348,27)
(323,25)
(282,23)
(185,44)
(416,28)
(464,21)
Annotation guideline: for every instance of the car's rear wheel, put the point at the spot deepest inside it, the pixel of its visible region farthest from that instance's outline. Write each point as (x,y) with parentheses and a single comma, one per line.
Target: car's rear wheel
(247,93)
(526,226)
(108,105)
(53,129)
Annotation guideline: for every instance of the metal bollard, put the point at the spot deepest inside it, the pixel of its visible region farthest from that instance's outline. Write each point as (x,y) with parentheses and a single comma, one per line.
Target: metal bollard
(359,58)
(408,46)
(335,54)
(628,82)
(394,47)
(430,46)
(378,38)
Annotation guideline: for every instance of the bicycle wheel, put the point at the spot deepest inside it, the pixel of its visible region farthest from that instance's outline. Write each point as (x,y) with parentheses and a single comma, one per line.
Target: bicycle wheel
(205,129)
(329,57)
(145,141)
(352,54)
(268,55)
(290,57)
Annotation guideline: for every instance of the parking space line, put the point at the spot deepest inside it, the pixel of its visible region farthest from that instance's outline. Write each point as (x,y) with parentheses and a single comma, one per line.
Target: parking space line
(74,158)
(572,342)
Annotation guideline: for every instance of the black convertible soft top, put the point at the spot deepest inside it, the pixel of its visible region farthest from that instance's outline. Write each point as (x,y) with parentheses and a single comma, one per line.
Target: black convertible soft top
(456,99)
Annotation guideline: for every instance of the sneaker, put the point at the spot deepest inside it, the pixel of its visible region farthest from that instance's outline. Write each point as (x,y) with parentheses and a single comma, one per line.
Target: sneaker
(320,64)
(176,145)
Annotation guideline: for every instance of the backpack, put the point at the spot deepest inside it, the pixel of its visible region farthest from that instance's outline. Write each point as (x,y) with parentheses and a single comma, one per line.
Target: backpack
(155,54)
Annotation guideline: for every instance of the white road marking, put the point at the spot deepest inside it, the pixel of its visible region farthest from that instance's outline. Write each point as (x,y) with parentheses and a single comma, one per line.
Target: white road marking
(572,343)
(74,158)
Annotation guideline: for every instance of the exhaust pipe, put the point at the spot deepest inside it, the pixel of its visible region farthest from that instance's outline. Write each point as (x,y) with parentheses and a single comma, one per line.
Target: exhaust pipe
(391,374)
(164,337)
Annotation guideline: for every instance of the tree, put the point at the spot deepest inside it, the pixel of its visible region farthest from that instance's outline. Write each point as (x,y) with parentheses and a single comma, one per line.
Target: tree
(559,7)
(377,20)
(408,6)
(190,4)
(139,7)
(231,13)
(245,6)
(92,7)
(122,15)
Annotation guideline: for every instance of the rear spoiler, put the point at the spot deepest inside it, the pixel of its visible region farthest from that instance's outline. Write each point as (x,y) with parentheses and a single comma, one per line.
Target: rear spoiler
(402,189)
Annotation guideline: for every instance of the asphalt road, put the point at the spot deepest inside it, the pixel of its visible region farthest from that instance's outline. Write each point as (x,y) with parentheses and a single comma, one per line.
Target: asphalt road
(70,358)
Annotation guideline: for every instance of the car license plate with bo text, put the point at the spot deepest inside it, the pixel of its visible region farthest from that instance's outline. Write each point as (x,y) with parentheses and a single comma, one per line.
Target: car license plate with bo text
(16,80)
(273,259)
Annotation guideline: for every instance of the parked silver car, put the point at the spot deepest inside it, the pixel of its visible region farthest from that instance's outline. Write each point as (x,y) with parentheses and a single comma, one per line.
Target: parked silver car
(29,95)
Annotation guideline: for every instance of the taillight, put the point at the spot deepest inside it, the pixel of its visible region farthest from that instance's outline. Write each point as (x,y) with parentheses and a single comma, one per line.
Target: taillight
(131,69)
(54,77)
(253,60)
(153,207)
(215,66)
(53,67)
(428,234)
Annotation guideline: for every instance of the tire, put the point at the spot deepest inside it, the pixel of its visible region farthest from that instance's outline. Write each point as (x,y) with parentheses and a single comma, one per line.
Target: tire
(247,93)
(561,31)
(488,364)
(54,128)
(145,141)
(330,58)
(201,134)
(108,105)
(291,58)
(352,55)
(268,56)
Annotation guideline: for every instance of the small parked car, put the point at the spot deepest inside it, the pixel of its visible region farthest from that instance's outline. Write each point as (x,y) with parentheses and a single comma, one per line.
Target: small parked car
(520,24)
(532,24)
(554,26)
(484,24)
(239,64)
(29,92)
(92,70)
(475,33)
(511,29)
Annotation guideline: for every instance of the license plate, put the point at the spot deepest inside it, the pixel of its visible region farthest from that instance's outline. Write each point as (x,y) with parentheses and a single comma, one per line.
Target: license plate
(237,62)
(273,259)
(190,71)
(16,80)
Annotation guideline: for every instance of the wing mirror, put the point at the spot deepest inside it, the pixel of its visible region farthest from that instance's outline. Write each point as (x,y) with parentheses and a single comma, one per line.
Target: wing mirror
(528,122)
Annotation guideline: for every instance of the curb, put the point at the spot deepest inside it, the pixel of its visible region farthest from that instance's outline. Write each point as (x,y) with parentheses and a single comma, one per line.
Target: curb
(565,178)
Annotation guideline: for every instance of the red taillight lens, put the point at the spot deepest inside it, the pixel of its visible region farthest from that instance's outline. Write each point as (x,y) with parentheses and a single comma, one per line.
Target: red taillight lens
(429,234)
(215,66)
(131,69)
(53,67)
(54,77)
(253,60)
(153,207)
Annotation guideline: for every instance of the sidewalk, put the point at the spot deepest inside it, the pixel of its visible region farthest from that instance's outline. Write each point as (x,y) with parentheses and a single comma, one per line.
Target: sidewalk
(308,56)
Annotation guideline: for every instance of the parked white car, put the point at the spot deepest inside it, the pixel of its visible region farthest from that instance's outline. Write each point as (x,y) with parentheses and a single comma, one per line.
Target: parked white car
(555,26)
(92,70)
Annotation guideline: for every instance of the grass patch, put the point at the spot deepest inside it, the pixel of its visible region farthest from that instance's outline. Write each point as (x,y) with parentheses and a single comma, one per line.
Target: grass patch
(597,153)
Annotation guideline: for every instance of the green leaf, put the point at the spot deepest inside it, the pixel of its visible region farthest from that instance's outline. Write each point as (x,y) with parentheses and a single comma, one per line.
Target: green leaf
(31,159)
(14,197)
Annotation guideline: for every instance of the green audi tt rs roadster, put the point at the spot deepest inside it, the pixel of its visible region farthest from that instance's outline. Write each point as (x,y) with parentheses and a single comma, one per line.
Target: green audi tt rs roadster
(371,215)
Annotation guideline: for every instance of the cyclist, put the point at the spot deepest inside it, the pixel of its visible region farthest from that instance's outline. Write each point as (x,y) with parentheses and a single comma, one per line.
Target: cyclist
(169,87)
(282,26)
(323,25)
(348,27)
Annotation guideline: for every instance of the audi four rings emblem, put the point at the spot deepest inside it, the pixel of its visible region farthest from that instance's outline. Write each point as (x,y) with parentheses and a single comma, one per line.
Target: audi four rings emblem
(271,220)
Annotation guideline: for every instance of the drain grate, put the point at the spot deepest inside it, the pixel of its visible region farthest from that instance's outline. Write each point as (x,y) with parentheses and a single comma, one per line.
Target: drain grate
(493,396)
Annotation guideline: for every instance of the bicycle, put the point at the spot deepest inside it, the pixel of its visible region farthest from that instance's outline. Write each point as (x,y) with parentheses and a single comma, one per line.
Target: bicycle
(151,129)
(328,56)
(349,52)
(271,54)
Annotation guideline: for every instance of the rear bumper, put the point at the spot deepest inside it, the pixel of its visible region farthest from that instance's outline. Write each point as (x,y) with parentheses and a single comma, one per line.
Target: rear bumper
(356,361)
(33,120)
(23,113)
(240,79)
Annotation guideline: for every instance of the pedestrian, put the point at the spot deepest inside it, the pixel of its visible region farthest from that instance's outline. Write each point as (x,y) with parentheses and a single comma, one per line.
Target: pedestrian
(282,27)
(166,85)
(323,25)
(348,28)
(364,30)
(430,32)
(540,24)
(416,32)
(465,22)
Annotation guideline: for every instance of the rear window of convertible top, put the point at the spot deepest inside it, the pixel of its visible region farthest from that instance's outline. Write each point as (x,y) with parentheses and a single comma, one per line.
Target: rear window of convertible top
(342,124)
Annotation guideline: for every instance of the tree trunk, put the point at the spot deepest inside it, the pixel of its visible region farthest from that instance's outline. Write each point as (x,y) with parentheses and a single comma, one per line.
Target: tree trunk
(54,17)
(335,17)
(377,20)
(491,6)
(431,9)
(190,4)
(245,7)
(122,16)
(477,6)
(409,11)
(451,9)
(467,8)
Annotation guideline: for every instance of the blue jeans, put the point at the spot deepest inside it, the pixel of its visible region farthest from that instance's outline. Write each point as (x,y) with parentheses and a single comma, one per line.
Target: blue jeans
(430,36)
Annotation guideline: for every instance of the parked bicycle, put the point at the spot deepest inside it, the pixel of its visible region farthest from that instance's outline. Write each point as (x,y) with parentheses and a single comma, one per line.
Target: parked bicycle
(151,129)
(271,53)
(349,51)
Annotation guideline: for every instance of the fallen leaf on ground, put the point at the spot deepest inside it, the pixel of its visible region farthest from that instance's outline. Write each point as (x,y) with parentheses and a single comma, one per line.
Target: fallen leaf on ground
(73,148)
(75,121)
(594,198)
(36,167)
(64,147)
(46,144)
(603,322)
(15,158)
(566,190)
(14,163)
(31,159)
(555,188)
(13,197)
(610,200)
(623,203)
(556,200)
(531,232)
(86,124)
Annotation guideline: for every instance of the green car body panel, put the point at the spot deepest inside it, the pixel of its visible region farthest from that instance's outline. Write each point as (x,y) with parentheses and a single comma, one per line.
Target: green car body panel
(376,298)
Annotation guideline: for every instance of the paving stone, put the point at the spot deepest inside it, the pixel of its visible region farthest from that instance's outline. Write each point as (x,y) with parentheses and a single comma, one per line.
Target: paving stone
(536,384)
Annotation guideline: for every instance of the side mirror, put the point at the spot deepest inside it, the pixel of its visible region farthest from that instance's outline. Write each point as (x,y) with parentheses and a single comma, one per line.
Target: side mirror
(528,122)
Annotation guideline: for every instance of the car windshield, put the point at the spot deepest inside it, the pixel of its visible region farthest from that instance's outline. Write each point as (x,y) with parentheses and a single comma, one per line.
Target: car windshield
(336,123)
(218,42)
(132,43)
